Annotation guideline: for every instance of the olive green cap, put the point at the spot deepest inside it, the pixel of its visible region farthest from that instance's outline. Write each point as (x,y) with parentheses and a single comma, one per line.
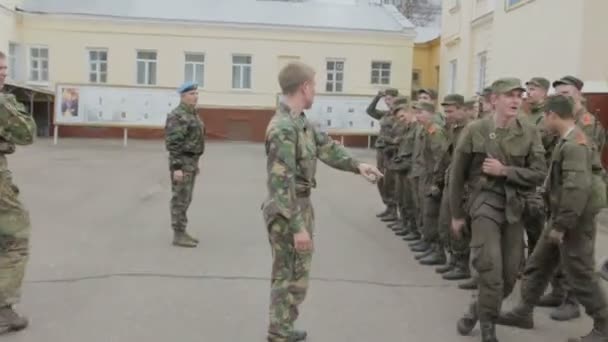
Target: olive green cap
(540,82)
(391,92)
(429,92)
(424,106)
(470,104)
(569,80)
(560,104)
(485,92)
(453,99)
(403,106)
(505,85)
(400,100)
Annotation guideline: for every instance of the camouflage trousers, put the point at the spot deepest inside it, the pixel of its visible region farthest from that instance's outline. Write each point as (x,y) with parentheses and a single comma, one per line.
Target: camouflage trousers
(576,255)
(533,218)
(290,273)
(181,198)
(387,184)
(431,208)
(14,241)
(417,186)
(458,247)
(407,205)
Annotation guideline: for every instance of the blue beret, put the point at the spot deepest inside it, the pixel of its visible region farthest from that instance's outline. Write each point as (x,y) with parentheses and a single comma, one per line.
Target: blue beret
(186,87)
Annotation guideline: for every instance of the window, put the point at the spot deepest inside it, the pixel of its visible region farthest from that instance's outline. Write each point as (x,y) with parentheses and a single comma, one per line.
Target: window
(194,70)
(335,76)
(39,64)
(452,76)
(12,59)
(146,67)
(416,78)
(513,3)
(241,72)
(381,72)
(482,61)
(98,66)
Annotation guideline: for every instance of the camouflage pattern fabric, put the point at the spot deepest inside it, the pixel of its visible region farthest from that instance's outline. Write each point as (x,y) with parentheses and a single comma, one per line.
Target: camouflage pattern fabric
(293,146)
(17,127)
(185,141)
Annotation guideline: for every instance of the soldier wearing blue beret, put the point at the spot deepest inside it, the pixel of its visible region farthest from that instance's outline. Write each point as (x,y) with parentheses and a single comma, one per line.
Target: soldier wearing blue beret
(185,141)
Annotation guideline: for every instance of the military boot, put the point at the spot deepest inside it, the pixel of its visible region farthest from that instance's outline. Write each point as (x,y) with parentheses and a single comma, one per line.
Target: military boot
(182,239)
(460,271)
(522,316)
(421,247)
(447,267)
(437,257)
(395,225)
(469,285)
(416,243)
(297,335)
(569,310)
(424,254)
(551,300)
(467,323)
(391,216)
(488,332)
(384,213)
(412,236)
(11,320)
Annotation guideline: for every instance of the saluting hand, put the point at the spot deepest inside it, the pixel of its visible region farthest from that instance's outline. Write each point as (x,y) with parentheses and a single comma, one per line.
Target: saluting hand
(370,173)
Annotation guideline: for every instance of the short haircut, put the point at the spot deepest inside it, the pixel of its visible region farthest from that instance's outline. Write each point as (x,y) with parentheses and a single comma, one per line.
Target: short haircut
(561,105)
(293,75)
(2,55)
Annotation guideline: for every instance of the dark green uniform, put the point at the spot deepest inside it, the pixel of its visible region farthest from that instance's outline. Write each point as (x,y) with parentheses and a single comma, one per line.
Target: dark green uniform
(417,173)
(401,164)
(576,193)
(185,141)
(495,205)
(457,247)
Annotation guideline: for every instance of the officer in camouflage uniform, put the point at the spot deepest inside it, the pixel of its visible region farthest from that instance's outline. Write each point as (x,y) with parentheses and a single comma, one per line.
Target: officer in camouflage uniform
(402,163)
(293,146)
(498,156)
(560,296)
(17,127)
(185,141)
(458,248)
(576,193)
(433,146)
(386,186)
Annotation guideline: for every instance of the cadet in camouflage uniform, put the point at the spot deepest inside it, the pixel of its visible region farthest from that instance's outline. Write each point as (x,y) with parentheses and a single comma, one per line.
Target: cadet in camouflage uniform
(576,193)
(430,96)
(415,176)
(471,108)
(457,118)
(402,163)
(433,146)
(185,141)
(17,127)
(386,185)
(560,296)
(534,212)
(485,104)
(498,156)
(293,146)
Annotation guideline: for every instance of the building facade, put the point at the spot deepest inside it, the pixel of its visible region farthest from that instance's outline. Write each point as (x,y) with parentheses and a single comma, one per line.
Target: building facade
(427,50)
(233,52)
(487,39)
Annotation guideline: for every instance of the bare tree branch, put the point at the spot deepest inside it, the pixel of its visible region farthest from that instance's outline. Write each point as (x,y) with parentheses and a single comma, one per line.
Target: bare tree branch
(420,12)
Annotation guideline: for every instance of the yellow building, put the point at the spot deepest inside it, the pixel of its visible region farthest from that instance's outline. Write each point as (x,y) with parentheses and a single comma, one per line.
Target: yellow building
(233,49)
(427,49)
(483,40)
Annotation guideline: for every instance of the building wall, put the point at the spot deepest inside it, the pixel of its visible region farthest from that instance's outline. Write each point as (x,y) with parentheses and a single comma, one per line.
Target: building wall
(594,61)
(8,25)
(68,41)
(426,62)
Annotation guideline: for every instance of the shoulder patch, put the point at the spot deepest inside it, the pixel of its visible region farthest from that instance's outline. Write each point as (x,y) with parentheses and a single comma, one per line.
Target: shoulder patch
(587,119)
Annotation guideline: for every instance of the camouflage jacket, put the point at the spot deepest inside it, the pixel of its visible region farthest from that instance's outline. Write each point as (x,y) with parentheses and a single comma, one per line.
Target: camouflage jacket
(442,171)
(385,118)
(402,161)
(434,146)
(17,127)
(536,117)
(184,138)
(573,188)
(293,146)
(518,147)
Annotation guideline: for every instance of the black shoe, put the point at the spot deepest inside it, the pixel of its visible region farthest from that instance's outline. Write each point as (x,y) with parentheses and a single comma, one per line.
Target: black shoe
(415,243)
(392,217)
(384,213)
(516,319)
(402,232)
(467,323)
(421,247)
(298,335)
(424,254)
(551,300)
(566,312)
(11,321)
(448,267)
(469,285)
(488,332)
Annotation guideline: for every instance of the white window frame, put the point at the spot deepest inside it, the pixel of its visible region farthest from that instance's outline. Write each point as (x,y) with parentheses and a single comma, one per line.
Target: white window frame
(13,52)
(241,69)
(40,80)
(148,63)
(196,67)
(380,70)
(510,6)
(334,75)
(94,66)
(482,69)
(452,76)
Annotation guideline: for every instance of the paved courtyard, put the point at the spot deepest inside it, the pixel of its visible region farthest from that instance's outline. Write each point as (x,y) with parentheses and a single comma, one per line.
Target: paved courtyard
(103,269)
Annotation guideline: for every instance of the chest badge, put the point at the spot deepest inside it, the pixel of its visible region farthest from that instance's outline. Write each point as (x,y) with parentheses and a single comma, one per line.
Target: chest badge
(492,136)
